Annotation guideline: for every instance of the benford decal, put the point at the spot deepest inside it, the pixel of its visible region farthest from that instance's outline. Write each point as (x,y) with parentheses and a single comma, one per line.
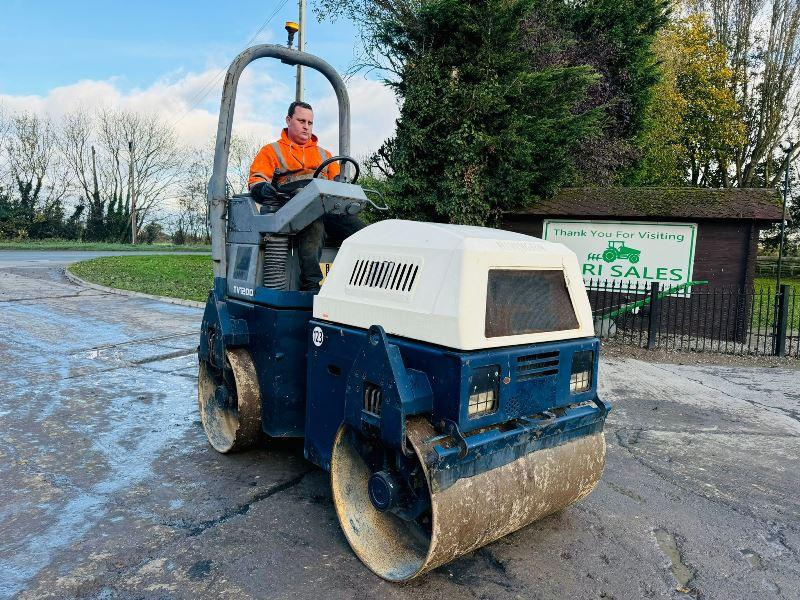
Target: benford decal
(244,291)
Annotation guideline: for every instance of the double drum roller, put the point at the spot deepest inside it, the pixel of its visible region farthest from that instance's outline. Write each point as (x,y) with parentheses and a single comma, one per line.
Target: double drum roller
(445,376)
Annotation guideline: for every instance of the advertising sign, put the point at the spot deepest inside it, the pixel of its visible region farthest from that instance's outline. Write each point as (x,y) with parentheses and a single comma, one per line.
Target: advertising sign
(629,251)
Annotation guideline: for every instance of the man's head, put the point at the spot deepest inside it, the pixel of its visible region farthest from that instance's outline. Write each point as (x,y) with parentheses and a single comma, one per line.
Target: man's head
(299,122)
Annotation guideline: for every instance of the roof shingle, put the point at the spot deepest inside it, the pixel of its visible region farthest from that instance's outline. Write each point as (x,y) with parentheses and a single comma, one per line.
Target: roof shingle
(761,204)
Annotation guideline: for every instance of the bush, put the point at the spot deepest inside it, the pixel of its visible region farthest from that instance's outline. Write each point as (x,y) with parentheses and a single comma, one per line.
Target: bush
(179,237)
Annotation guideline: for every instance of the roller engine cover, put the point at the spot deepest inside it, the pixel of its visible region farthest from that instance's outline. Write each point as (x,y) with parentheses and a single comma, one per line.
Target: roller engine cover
(456,286)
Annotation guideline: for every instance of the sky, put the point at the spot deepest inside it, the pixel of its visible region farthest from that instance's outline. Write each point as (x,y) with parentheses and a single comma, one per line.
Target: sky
(169,58)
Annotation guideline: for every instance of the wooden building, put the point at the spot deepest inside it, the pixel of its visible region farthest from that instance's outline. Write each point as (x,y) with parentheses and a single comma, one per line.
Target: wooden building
(728,221)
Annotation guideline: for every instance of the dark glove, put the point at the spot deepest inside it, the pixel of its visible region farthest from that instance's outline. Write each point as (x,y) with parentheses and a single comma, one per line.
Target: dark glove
(264,192)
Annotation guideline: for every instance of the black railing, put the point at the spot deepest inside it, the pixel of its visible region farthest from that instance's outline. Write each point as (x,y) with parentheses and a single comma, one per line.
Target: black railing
(698,317)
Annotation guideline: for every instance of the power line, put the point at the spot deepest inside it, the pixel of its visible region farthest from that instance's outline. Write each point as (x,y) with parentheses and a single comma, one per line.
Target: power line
(208,87)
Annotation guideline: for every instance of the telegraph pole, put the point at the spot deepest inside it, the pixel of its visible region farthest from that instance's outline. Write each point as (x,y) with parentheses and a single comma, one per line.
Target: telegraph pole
(788,150)
(301,46)
(132,192)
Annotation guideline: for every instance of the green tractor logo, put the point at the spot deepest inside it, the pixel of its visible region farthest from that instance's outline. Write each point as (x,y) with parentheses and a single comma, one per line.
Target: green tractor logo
(617,251)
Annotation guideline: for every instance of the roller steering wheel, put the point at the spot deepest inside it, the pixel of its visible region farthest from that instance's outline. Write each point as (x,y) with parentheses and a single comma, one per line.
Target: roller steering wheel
(342,158)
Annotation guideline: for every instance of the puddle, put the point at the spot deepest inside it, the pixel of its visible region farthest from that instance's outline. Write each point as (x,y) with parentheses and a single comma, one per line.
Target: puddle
(669,546)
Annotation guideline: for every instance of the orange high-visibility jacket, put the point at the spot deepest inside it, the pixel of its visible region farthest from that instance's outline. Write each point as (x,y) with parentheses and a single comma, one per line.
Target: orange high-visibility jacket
(285,155)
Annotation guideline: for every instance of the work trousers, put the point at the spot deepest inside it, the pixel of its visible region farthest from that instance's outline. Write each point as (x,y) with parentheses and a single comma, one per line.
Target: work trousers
(331,229)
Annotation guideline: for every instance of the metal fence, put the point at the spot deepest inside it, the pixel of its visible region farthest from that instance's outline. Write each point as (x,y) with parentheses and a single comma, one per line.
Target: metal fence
(698,317)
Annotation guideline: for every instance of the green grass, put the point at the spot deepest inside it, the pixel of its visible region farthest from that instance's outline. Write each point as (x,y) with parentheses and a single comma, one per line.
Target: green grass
(766,307)
(770,282)
(75,245)
(177,276)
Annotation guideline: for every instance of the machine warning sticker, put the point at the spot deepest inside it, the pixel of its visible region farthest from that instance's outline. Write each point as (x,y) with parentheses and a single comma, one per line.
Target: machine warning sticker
(317,337)
(325,267)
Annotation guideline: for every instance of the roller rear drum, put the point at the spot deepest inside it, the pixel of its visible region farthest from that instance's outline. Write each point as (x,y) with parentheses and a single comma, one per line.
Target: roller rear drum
(230,411)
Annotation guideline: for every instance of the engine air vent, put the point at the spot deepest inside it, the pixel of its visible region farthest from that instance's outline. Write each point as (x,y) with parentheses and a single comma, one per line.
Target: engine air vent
(534,366)
(390,275)
(276,249)
(372,398)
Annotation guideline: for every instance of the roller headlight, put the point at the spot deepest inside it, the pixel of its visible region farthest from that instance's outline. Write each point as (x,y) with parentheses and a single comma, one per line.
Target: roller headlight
(580,379)
(484,389)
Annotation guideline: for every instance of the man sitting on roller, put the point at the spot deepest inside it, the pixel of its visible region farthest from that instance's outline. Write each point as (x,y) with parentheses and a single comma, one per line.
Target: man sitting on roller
(294,157)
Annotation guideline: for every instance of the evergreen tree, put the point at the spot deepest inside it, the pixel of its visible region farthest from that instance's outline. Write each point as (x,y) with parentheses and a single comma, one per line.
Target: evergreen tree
(615,37)
(6,215)
(118,220)
(503,101)
(95,220)
(483,128)
(73,228)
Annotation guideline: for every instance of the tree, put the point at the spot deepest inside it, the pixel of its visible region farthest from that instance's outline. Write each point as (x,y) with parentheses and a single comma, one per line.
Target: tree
(152,232)
(763,41)
(36,179)
(192,200)
(615,38)
(243,150)
(77,145)
(99,153)
(770,237)
(482,128)
(589,63)
(156,159)
(694,127)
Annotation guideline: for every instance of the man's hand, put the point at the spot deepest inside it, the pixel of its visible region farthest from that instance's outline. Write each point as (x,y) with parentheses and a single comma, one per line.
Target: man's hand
(264,192)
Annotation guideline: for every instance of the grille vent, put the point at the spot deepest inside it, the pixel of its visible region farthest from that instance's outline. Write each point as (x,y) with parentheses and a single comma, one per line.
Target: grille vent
(534,366)
(384,275)
(372,398)
(276,249)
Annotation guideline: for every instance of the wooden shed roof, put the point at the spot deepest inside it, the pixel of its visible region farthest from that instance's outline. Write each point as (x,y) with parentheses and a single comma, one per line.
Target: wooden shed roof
(761,204)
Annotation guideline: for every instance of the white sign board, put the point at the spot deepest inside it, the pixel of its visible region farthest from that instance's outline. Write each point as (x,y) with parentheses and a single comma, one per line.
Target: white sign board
(629,251)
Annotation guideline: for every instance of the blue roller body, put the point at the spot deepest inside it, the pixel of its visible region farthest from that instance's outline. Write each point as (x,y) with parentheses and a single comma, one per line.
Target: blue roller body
(535,407)
(275,336)
(314,375)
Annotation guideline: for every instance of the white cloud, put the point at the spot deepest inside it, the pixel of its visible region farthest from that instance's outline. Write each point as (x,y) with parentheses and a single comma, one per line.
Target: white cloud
(189,102)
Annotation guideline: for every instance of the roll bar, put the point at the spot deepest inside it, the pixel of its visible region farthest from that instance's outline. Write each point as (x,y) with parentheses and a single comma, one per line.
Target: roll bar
(216,186)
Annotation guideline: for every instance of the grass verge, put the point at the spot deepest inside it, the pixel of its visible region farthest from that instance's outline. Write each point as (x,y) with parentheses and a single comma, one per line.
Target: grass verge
(189,277)
(75,245)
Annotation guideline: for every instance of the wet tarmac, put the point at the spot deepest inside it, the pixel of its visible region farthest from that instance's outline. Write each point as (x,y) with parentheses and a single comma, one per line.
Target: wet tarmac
(108,488)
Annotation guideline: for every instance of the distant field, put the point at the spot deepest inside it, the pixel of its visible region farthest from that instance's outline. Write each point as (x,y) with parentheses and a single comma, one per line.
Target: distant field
(189,277)
(73,245)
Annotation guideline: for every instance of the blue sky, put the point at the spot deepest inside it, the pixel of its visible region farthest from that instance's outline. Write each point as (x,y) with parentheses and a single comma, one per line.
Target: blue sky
(59,42)
(58,56)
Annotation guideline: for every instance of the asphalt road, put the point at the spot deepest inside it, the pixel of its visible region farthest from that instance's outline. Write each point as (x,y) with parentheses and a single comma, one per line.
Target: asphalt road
(108,488)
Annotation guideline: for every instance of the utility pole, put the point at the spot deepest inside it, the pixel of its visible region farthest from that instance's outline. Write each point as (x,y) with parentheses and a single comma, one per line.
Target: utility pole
(132,192)
(301,46)
(788,152)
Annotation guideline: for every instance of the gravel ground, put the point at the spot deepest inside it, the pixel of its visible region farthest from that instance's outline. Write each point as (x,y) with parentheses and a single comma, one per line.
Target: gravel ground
(689,357)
